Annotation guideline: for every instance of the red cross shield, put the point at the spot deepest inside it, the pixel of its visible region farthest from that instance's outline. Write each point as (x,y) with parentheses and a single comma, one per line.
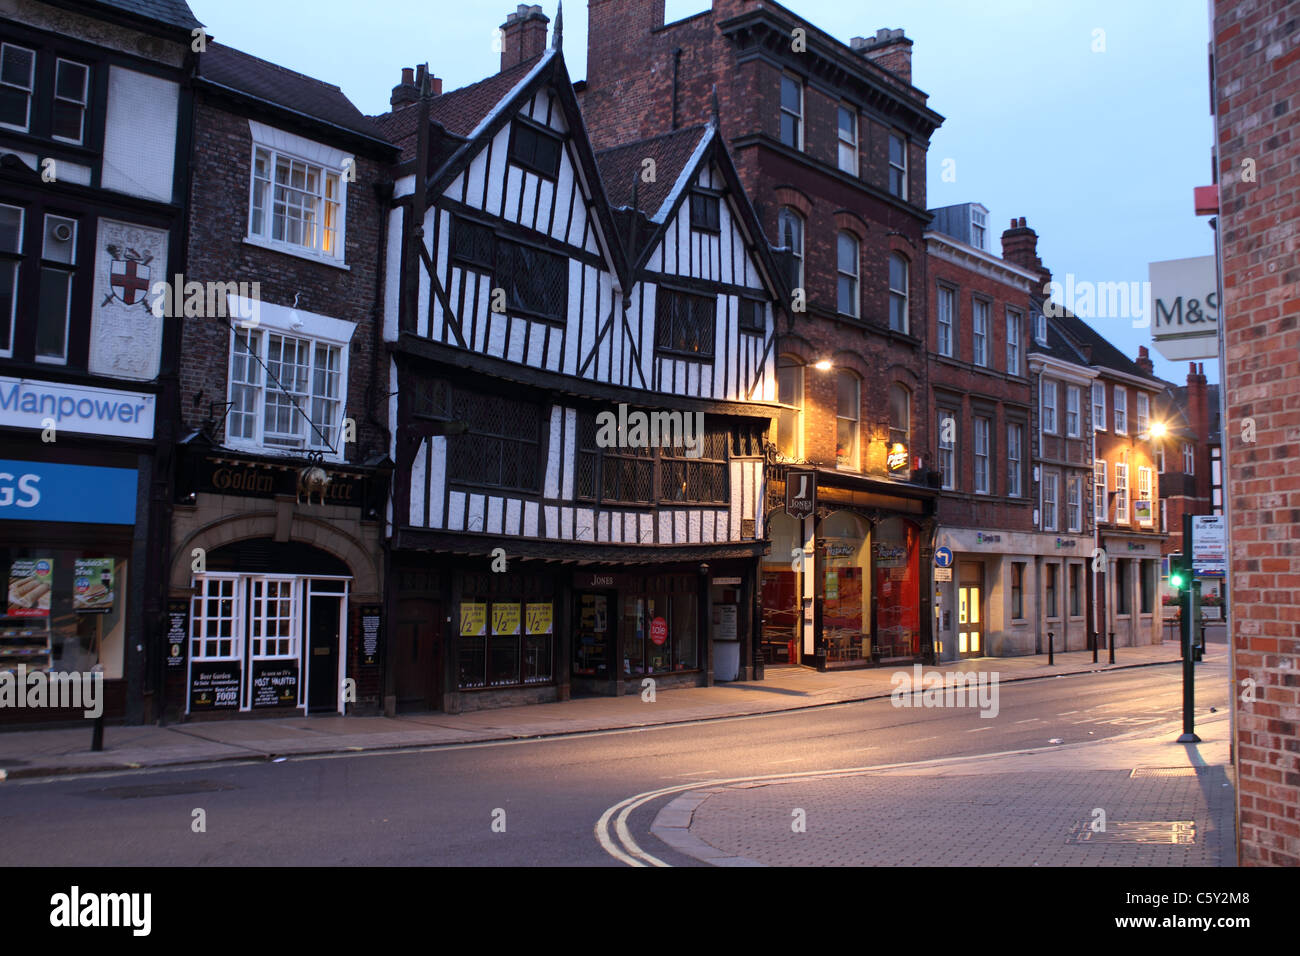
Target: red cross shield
(129,280)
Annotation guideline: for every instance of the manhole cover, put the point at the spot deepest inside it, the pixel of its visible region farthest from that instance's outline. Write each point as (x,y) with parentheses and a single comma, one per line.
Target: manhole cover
(159,790)
(1137,831)
(1168,772)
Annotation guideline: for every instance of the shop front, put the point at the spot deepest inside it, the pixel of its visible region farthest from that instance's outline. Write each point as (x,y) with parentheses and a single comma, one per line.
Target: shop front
(849,585)
(275,601)
(1130,592)
(70,556)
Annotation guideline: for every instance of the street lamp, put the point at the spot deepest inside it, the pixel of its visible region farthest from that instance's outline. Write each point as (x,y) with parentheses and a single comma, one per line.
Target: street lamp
(825,365)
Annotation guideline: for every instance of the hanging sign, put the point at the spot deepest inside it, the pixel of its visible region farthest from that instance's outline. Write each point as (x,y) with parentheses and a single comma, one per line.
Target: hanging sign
(800,494)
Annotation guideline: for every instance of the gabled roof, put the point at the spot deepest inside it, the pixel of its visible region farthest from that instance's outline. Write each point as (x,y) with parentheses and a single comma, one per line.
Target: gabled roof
(458,112)
(1058,346)
(172,13)
(621,168)
(234,70)
(1102,354)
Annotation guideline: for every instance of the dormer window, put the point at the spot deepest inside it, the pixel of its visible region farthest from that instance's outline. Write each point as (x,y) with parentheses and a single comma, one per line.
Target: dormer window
(536,149)
(1040,328)
(979,220)
(706,213)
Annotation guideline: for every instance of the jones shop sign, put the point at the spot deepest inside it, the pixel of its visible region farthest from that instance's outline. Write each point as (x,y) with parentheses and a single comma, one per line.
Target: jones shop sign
(800,494)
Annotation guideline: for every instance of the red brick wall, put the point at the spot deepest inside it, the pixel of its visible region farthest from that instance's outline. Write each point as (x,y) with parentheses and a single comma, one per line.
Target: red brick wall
(1257,71)
(218,253)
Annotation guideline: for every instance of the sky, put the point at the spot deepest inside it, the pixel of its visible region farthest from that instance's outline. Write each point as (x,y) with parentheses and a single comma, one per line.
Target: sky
(1096,138)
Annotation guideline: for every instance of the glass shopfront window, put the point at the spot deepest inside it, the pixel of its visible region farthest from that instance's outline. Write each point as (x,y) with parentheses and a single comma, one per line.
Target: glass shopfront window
(506,632)
(781,595)
(846,589)
(660,625)
(64,610)
(896,549)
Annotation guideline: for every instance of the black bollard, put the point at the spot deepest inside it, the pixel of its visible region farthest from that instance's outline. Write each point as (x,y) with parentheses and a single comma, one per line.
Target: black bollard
(1112,647)
(1095,643)
(97,734)
(1051,657)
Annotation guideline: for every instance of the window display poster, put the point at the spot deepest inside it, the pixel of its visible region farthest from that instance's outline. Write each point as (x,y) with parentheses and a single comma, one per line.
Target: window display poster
(505,619)
(473,620)
(92,585)
(178,626)
(214,685)
(370,619)
(724,622)
(275,683)
(30,583)
(541,618)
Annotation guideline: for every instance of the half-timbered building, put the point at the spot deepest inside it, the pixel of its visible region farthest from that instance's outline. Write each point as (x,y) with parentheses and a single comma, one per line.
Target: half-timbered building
(582,372)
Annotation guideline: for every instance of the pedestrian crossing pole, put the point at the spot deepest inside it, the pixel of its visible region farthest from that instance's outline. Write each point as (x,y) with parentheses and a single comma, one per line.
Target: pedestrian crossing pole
(1182,578)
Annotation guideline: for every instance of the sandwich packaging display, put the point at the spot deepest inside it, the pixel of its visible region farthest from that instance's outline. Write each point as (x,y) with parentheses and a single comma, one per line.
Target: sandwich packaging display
(92,585)
(30,583)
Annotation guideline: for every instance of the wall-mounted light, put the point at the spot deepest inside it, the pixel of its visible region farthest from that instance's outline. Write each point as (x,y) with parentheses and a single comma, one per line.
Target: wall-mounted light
(825,365)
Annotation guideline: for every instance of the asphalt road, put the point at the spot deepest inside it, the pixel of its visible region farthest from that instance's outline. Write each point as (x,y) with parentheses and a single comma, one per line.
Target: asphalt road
(446,806)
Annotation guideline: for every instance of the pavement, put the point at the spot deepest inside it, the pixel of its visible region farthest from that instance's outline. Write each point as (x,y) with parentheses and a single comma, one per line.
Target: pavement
(49,752)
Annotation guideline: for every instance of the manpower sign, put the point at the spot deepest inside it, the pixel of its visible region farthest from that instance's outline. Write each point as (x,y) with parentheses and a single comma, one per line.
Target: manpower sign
(1185,308)
(25,403)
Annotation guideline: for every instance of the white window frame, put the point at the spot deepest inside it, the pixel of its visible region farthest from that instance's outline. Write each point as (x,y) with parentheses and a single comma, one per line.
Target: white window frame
(1189,459)
(1098,406)
(1100,488)
(1040,328)
(1121,410)
(848,140)
(851,461)
(1015,335)
(948,452)
(855,298)
(70,268)
(948,298)
(980,445)
(1072,407)
(7,348)
(1074,504)
(902,140)
(84,102)
(979,220)
(330,161)
(1015,459)
(1049,407)
(1143,413)
(1164,516)
(199,618)
(29,89)
(1121,493)
(797,450)
(799,116)
(256,619)
(979,331)
(1049,503)
(295,324)
(1160,459)
(1146,492)
(904,293)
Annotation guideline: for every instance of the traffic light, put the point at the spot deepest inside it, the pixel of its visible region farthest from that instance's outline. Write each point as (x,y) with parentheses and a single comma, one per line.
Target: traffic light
(1177,575)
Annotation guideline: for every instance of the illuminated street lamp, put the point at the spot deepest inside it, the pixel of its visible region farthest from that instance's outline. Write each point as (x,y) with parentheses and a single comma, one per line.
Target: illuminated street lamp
(825,365)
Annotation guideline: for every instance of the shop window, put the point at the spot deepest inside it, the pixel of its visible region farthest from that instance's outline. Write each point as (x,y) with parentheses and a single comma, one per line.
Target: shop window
(1050,590)
(846,588)
(505,639)
(781,621)
(896,555)
(274,616)
(660,626)
(684,324)
(848,400)
(1123,587)
(63,610)
(1076,590)
(1147,585)
(216,631)
(1017,590)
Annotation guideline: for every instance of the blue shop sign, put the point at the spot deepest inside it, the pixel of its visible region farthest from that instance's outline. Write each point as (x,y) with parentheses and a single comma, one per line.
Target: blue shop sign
(42,491)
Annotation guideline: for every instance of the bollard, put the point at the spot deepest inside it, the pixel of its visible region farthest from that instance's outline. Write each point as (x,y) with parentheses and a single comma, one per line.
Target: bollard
(97,734)
(1051,657)
(1095,642)
(1112,647)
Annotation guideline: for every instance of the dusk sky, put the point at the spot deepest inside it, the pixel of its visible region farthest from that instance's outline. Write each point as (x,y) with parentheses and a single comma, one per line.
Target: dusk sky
(1099,151)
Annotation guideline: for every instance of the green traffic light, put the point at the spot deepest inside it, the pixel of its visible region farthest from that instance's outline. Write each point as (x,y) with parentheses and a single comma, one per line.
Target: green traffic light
(1176,580)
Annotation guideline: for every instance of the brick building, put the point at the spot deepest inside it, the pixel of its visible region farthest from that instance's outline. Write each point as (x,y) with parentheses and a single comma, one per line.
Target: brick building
(94,173)
(277,557)
(980,331)
(1255,73)
(830,139)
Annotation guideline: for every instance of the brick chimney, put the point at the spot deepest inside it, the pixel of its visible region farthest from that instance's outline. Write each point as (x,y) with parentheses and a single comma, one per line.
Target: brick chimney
(1020,246)
(888,49)
(523,35)
(408,91)
(1144,360)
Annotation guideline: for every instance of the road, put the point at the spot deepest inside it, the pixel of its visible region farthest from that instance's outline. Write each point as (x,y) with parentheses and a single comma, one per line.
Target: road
(449,806)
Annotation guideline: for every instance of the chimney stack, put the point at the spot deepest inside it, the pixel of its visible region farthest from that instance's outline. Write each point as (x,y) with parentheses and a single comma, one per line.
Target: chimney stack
(1020,247)
(408,91)
(888,49)
(523,35)
(1144,360)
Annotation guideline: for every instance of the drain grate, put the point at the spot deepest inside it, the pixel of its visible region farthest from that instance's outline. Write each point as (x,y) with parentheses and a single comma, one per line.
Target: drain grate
(159,790)
(1137,831)
(1168,772)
